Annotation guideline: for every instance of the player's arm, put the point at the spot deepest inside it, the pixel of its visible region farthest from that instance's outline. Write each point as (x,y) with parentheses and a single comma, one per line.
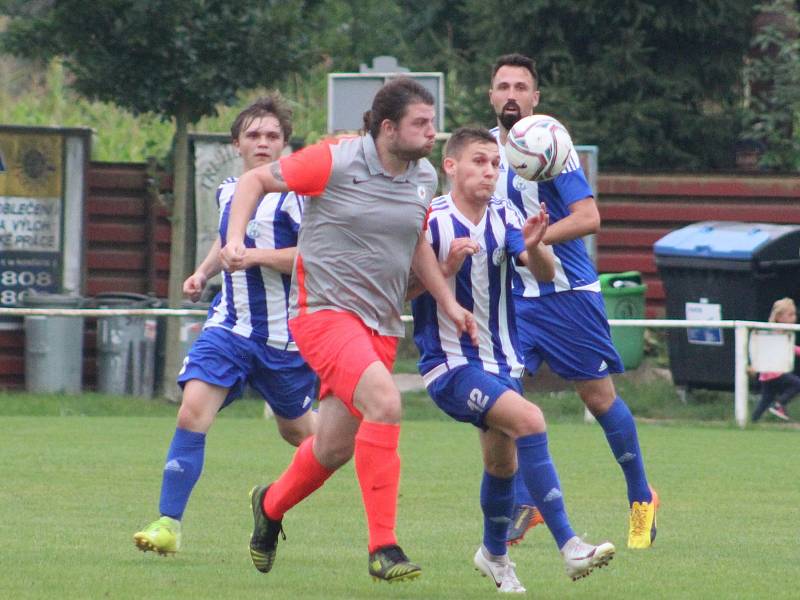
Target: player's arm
(538,256)
(429,273)
(415,287)
(251,187)
(279,259)
(196,282)
(460,249)
(305,172)
(584,219)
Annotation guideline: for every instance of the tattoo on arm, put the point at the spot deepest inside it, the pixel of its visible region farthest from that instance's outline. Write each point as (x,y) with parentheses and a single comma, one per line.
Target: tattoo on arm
(275,169)
(415,287)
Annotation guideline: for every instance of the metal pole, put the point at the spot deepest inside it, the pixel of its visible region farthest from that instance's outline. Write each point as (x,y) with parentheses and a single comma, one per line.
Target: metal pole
(741,389)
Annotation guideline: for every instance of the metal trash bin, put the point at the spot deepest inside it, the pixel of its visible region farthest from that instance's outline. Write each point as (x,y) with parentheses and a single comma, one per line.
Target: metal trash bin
(191,325)
(623,296)
(53,346)
(126,346)
(719,270)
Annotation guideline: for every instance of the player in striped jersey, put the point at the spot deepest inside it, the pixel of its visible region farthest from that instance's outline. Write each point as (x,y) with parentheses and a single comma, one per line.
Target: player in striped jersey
(476,238)
(563,322)
(246,337)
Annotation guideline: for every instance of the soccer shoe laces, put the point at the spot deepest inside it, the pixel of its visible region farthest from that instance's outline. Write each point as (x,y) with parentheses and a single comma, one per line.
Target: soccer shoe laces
(394,554)
(508,578)
(639,518)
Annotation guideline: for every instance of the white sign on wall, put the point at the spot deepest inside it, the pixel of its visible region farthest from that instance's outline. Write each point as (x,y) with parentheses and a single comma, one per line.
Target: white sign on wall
(215,159)
(350,94)
(30,224)
(703,311)
(42,192)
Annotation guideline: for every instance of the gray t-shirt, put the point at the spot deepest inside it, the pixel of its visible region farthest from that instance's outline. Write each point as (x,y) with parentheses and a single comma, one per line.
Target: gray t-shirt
(359,230)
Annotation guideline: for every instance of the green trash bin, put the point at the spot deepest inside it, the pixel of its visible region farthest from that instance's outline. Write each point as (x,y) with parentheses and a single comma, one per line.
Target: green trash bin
(623,296)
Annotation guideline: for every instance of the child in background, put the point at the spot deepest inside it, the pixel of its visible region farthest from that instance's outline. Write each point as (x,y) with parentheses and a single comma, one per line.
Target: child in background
(778,389)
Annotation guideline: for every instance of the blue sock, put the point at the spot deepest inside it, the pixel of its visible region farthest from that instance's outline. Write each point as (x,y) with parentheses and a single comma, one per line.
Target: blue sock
(521,493)
(620,429)
(497,503)
(181,471)
(541,478)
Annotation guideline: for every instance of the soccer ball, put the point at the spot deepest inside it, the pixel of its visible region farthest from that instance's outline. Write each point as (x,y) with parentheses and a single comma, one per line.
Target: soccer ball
(538,147)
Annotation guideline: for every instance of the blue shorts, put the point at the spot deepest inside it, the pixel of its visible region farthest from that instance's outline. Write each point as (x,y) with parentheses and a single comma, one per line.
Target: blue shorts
(223,358)
(466,393)
(569,331)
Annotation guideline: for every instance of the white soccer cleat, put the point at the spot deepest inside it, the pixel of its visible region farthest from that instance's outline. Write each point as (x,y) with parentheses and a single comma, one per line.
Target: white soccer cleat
(500,569)
(581,558)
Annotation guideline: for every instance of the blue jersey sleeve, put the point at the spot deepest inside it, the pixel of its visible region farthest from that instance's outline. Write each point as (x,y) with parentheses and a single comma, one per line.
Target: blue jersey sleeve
(432,236)
(572,186)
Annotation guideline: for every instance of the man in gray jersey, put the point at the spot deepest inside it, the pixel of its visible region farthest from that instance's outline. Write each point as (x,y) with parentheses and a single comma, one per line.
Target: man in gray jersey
(361,235)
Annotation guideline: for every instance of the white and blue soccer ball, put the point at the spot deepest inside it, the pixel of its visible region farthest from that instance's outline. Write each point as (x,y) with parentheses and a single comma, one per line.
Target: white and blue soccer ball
(538,147)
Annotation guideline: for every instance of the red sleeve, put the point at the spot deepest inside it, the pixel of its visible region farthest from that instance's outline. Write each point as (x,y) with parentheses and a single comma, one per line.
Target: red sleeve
(307,171)
(427,216)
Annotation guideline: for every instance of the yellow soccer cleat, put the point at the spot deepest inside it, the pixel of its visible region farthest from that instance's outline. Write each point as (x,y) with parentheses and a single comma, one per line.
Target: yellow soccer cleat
(642,528)
(162,536)
(389,563)
(525,518)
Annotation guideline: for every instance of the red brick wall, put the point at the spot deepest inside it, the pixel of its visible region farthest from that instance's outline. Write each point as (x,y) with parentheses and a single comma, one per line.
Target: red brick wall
(637,210)
(127,250)
(128,233)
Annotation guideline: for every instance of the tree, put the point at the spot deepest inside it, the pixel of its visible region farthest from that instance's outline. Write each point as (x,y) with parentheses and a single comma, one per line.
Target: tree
(654,84)
(176,59)
(772,75)
(657,85)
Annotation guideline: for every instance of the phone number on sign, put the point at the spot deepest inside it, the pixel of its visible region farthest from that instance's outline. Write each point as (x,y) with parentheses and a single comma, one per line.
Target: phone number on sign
(21,279)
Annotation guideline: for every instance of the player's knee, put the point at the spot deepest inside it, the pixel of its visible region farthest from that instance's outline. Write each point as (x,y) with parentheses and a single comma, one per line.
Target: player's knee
(597,395)
(597,403)
(293,436)
(295,431)
(332,454)
(194,417)
(530,422)
(500,468)
(385,407)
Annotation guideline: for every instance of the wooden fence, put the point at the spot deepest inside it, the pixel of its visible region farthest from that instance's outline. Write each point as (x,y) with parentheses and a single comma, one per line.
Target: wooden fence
(128,232)
(637,210)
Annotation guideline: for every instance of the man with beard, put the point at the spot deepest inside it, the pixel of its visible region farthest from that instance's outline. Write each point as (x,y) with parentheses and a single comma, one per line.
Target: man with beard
(362,233)
(563,322)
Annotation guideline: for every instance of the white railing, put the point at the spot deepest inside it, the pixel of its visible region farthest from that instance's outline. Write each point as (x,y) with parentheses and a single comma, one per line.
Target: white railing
(741,337)
(741,334)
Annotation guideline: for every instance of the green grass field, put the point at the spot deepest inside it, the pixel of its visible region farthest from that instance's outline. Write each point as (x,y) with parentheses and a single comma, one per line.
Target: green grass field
(75,488)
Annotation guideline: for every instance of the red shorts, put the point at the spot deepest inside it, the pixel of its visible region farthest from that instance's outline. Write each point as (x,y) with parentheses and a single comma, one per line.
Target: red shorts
(339,347)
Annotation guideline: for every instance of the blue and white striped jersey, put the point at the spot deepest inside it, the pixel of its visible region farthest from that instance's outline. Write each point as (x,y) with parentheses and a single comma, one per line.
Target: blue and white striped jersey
(254,303)
(482,285)
(574,268)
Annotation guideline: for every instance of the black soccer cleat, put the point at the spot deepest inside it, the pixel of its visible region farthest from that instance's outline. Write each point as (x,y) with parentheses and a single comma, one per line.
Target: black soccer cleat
(264,541)
(389,563)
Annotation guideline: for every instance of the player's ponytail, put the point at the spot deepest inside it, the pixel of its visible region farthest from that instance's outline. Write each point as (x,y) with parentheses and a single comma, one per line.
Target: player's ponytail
(365,127)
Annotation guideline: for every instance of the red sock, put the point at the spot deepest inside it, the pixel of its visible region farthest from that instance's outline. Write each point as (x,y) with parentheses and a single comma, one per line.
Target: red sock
(303,476)
(378,469)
